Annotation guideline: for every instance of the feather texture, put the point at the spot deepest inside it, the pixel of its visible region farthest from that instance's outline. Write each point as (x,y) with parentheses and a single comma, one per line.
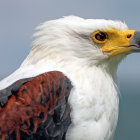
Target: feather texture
(36,108)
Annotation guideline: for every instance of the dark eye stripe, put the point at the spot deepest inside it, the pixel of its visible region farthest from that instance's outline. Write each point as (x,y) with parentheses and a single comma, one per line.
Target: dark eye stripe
(100,36)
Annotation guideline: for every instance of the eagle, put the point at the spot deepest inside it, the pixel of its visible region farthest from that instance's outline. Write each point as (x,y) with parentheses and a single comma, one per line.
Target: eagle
(66,88)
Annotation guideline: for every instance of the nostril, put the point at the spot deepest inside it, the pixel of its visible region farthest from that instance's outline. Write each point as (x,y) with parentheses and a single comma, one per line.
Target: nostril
(129,36)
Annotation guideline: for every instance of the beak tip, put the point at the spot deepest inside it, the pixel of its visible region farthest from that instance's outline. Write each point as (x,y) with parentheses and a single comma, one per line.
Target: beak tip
(136,41)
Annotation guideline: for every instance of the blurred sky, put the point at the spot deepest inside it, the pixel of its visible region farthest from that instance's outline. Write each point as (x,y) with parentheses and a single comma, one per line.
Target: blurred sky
(18,20)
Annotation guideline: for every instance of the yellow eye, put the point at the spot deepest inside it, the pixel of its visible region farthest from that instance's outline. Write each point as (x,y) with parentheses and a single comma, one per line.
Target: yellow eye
(100,37)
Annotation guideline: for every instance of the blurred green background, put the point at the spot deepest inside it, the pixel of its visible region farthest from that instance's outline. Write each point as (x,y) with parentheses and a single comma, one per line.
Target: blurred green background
(18,20)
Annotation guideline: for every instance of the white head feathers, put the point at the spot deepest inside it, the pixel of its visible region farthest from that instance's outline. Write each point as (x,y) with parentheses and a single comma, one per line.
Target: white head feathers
(69,38)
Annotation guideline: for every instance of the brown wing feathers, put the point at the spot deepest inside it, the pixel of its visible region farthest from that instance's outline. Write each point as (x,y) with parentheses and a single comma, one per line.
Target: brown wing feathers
(36,108)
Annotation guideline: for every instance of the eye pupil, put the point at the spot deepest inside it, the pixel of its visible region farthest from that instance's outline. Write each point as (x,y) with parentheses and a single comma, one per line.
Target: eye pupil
(100,36)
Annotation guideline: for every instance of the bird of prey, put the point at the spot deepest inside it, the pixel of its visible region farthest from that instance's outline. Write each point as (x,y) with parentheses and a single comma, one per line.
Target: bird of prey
(66,88)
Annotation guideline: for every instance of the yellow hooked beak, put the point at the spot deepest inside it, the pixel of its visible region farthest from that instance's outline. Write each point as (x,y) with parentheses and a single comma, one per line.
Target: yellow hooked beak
(114,42)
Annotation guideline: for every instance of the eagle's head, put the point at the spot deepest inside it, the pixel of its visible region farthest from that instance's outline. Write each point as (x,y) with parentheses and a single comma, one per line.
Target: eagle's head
(89,41)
